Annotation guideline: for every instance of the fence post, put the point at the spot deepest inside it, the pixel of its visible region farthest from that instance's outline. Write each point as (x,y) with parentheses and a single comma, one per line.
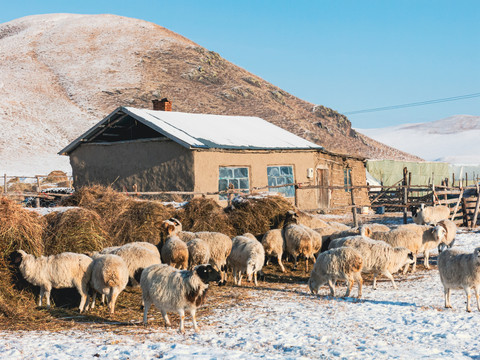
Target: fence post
(354,209)
(405,194)
(37,199)
(5,183)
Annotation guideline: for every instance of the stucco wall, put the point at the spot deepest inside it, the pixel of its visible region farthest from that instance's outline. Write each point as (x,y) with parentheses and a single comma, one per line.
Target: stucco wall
(153,165)
(207,165)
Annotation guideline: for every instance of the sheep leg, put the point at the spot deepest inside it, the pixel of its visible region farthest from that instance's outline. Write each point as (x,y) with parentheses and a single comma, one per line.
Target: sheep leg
(113,298)
(181,313)
(414,266)
(280,263)
(91,303)
(426,263)
(405,268)
(295,262)
(42,293)
(47,295)
(374,281)
(359,280)
(467,291)
(331,285)
(447,292)
(240,278)
(306,265)
(390,276)
(349,286)
(256,284)
(476,296)
(83,291)
(147,305)
(194,319)
(167,320)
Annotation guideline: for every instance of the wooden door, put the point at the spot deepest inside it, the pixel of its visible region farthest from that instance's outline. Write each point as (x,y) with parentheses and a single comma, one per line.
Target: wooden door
(322,193)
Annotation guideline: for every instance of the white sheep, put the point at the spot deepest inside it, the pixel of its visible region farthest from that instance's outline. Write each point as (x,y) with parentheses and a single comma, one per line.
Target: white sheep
(274,245)
(298,241)
(450,232)
(170,289)
(185,236)
(378,256)
(460,271)
(430,214)
(247,256)
(109,278)
(136,257)
(198,253)
(220,247)
(339,263)
(175,252)
(416,238)
(59,271)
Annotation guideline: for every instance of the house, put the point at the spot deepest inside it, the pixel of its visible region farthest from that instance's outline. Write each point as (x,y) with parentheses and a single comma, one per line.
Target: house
(162,150)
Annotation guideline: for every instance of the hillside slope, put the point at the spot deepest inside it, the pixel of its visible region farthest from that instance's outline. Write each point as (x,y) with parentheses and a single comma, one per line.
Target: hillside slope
(62,73)
(454,139)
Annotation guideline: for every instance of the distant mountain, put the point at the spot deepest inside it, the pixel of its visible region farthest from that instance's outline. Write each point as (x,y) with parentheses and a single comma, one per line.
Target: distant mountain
(455,139)
(62,73)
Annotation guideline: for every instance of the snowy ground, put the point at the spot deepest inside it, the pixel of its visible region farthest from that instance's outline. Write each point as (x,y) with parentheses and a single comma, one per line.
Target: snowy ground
(283,321)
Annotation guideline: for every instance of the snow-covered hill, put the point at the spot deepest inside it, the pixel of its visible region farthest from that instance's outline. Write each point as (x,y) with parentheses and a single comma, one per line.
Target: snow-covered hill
(455,139)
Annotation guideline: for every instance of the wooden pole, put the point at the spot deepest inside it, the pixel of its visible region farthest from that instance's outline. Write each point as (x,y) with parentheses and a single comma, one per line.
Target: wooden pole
(37,199)
(405,194)
(477,207)
(465,214)
(455,209)
(5,183)
(354,209)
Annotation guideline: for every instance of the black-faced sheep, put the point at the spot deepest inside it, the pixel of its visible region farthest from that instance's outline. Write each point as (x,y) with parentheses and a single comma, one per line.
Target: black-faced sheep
(460,271)
(109,277)
(170,289)
(59,271)
(340,263)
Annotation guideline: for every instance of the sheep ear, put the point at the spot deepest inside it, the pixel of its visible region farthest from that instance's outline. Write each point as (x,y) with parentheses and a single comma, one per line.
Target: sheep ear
(170,229)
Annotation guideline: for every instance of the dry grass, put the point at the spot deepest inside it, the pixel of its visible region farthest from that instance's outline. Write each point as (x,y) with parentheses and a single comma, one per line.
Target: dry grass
(140,222)
(203,214)
(258,215)
(75,230)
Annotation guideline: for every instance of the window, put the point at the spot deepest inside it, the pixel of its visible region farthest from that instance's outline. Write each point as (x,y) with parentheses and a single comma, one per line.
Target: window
(233,178)
(347,179)
(280,175)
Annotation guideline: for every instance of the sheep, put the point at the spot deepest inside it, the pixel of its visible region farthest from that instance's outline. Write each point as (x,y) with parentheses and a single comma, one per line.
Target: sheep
(247,256)
(175,252)
(363,231)
(430,214)
(198,253)
(56,271)
(135,257)
(340,263)
(109,277)
(378,256)
(450,230)
(460,271)
(170,289)
(298,241)
(274,245)
(185,236)
(416,238)
(220,247)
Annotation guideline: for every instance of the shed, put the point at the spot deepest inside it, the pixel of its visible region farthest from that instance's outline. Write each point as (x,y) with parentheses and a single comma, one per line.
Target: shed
(161,150)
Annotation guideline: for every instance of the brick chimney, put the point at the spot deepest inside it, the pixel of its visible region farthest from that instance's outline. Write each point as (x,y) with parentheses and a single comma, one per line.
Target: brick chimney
(162,105)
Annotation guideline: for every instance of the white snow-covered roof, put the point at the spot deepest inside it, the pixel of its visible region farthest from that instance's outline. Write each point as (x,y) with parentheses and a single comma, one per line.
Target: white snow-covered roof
(209,131)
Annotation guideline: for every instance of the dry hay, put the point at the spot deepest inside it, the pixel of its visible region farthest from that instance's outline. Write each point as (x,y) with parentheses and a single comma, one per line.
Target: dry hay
(75,230)
(140,222)
(258,215)
(108,203)
(202,214)
(57,177)
(19,229)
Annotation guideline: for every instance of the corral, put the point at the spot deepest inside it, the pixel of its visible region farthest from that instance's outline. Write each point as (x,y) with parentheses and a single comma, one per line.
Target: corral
(278,319)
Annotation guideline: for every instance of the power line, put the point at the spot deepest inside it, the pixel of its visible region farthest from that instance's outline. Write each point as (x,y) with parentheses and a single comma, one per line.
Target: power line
(428,102)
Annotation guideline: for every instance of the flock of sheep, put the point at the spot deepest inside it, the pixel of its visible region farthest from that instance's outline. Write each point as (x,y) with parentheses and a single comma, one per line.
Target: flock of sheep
(174,275)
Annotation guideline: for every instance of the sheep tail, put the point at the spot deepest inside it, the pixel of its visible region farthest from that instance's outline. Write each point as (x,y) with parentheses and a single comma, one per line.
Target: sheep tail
(112,279)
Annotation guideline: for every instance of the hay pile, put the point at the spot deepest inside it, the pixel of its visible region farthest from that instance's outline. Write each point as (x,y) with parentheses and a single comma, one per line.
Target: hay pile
(105,201)
(202,214)
(57,177)
(76,230)
(257,215)
(140,222)
(19,229)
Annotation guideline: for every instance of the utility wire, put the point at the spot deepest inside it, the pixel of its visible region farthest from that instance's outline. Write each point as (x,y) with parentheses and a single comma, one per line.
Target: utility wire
(428,102)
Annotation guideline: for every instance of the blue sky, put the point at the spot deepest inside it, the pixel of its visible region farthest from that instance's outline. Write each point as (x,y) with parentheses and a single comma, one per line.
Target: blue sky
(347,55)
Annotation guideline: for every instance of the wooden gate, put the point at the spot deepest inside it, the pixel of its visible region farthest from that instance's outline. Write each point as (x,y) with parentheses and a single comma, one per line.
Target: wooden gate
(322,191)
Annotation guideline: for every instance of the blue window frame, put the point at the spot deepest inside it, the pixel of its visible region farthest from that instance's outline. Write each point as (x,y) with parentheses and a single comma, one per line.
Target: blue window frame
(234,178)
(280,175)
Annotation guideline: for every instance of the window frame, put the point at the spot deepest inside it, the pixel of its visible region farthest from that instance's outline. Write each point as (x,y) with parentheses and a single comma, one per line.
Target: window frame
(238,189)
(286,191)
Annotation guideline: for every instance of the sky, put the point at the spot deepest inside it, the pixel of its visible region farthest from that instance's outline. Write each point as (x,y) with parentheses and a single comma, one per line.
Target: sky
(348,55)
